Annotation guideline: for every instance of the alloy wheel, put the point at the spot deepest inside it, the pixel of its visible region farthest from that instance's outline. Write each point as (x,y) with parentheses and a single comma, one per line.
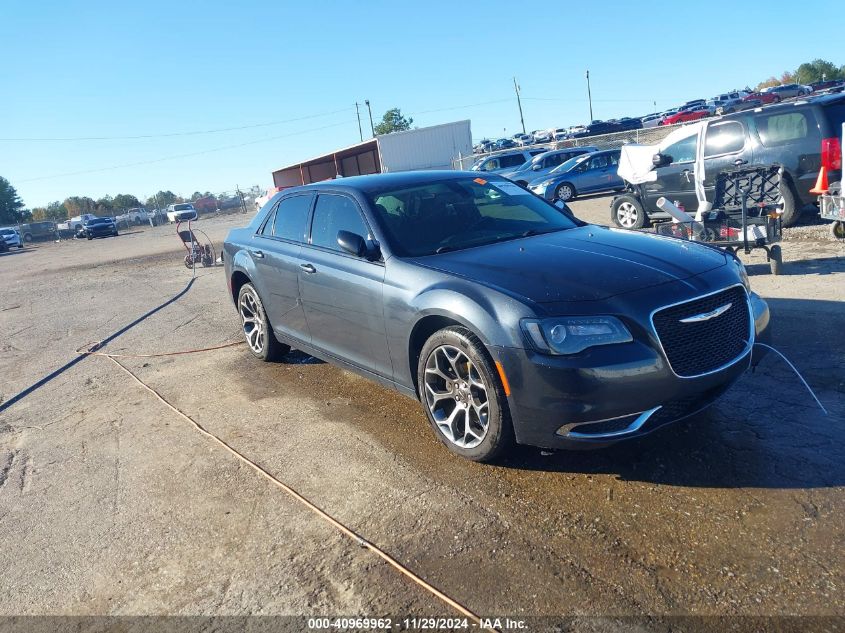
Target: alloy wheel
(564,192)
(456,396)
(627,214)
(253,321)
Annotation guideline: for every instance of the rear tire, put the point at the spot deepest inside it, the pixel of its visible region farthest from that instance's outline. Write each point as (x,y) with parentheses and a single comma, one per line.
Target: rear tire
(627,212)
(837,230)
(791,210)
(258,332)
(463,396)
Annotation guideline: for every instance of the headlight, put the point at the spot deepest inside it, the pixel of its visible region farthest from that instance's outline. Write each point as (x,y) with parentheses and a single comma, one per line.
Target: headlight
(570,335)
(546,183)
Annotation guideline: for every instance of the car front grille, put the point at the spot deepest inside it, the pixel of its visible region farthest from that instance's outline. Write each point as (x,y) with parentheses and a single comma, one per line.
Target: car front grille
(705,343)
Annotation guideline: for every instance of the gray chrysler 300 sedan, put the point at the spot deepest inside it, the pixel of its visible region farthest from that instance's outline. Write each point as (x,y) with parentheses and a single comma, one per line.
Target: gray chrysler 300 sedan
(509,319)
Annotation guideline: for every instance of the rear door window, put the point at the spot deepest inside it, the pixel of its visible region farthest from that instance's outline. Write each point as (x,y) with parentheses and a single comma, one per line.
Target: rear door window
(292,217)
(514,160)
(724,138)
(783,128)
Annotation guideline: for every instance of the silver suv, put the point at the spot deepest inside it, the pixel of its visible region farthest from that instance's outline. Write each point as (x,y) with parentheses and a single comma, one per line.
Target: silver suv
(506,161)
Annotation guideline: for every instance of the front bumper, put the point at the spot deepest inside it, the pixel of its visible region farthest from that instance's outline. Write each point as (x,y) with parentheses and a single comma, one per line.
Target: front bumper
(610,393)
(101,232)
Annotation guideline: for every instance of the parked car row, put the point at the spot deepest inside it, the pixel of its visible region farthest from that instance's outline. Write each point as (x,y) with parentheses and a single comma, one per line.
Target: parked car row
(693,110)
(802,136)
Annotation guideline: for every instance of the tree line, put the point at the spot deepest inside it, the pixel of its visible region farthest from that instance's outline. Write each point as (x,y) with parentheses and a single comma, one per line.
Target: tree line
(107,205)
(12,209)
(806,73)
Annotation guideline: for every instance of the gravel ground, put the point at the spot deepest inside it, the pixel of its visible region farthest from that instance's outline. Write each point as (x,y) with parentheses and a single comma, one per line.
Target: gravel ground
(110,504)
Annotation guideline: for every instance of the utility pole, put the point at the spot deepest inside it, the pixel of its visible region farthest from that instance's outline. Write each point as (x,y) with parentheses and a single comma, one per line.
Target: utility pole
(589,96)
(519,103)
(372,127)
(358,114)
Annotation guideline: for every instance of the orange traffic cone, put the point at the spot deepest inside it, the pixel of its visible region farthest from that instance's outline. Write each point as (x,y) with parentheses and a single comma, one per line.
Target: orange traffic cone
(821,183)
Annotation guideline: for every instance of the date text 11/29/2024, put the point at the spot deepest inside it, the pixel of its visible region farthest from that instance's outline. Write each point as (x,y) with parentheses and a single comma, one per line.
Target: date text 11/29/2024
(415,624)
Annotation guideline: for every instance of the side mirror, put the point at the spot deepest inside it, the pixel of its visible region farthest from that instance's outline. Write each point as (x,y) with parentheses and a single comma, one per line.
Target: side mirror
(352,243)
(660,160)
(536,167)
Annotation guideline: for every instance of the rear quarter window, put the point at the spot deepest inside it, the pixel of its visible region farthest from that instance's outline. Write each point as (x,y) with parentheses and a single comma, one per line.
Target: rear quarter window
(835,115)
(783,128)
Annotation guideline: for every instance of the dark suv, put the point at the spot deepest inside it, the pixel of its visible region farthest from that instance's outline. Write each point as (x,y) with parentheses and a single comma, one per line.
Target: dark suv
(38,231)
(802,136)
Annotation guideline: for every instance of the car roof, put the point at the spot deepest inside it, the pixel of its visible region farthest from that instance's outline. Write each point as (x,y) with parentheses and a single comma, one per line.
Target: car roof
(377,182)
(820,100)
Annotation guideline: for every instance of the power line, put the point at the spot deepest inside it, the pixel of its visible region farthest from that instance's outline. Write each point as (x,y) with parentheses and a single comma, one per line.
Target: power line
(175,134)
(581,100)
(469,105)
(176,156)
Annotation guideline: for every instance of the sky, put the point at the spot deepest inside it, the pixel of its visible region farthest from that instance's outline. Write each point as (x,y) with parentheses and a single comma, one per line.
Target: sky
(206,96)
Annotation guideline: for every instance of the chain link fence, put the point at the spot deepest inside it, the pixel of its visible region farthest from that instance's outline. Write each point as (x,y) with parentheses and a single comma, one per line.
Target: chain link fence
(645,136)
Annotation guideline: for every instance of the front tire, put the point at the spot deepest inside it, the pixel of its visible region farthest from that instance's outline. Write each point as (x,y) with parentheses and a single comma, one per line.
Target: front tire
(258,333)
(837,230)
(565,192)
(627,212)
(463,396)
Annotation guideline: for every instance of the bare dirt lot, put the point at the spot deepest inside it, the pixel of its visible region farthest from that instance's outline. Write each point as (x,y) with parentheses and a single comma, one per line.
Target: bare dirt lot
(112,504)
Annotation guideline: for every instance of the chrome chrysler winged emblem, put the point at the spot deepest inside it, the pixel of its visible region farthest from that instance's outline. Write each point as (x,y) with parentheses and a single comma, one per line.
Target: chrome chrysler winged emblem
(706,316)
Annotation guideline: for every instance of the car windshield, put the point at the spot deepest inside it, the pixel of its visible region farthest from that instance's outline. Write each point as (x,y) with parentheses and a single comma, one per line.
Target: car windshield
(183,207)
(99,220)
(564,167)
(455,214)
(7,232)
(527,165)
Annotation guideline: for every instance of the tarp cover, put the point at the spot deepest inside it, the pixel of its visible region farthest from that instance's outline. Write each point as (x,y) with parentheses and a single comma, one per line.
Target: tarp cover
(635,161)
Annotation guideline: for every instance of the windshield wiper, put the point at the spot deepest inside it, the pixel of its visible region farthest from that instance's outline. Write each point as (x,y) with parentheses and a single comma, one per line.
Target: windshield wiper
(531,232)
(444,249)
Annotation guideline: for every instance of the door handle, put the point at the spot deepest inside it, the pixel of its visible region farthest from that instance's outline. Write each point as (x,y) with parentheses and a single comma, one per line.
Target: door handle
(308,268)
(258,254)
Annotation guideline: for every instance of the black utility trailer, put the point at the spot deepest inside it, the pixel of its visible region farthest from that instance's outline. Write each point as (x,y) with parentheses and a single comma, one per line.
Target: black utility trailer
(746,214)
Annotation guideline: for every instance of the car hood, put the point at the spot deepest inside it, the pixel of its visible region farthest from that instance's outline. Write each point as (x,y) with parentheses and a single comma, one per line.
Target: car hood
(588,263)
